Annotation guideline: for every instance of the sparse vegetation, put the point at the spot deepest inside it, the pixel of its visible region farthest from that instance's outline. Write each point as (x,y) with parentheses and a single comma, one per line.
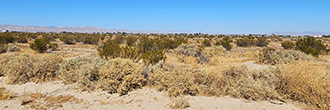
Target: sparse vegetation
(287,44)
(225,42)
(40,45)
(311,46)
(26,67)
(195,51)
(246,42)
(271,56)
(84,71)
(121,76)
(67,39)
(180,103)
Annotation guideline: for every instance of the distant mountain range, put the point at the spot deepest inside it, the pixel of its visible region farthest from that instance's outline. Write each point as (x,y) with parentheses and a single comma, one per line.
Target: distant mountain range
(92,29)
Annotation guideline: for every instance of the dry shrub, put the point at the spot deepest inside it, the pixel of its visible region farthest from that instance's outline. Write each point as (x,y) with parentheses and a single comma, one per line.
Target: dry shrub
(42,102)
(121,76)
(254,85)
(218,50)
(175,81)
(307,82)
(195,51)
(84,70)
(272,56)
(12,47)
(27,67)
(3,48)
(4,59)
(5,95)
(180,103)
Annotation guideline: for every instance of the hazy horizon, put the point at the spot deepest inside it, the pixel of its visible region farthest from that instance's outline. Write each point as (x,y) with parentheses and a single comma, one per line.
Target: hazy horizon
(221,16)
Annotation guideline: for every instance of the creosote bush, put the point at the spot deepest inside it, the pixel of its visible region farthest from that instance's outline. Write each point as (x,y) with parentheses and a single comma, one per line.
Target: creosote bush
(287,44)
(225,42)
(53,46)
(271,56)
(121,76)
(67,39)
(245,42)
(26,67)
(40,45)
(83,70)
(311,46)
(22,39)
(89,39)
(131,40)
(6,38)
(153,57)
(3,48)
(206,43)
(109,49)
(261,42)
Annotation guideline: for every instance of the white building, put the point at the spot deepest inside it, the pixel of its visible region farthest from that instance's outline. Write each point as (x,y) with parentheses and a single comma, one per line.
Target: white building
(317,35)
(5,31)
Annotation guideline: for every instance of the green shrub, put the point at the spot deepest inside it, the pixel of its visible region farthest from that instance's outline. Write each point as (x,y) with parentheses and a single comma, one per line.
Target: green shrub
(146,44)
(311,46)
(119,39)
(132,53)
(79,38)
(26,67)
(83,70)
(109,49)
(53,46)
(91,39)
(3,48)
(287,44)
(195,51)
(206,43)
(22,39)
(121,76)
(130,40)
(225,42)
(262,42)
(271,56)
(67,39)
(153,57)
(40,45)
(6,38)
(245,42)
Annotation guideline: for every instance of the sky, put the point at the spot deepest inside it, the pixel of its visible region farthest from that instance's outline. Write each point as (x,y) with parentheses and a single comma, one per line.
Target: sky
(219,16)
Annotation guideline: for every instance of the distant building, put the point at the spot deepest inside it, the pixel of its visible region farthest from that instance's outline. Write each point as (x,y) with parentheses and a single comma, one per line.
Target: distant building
(5,31)
(317,35)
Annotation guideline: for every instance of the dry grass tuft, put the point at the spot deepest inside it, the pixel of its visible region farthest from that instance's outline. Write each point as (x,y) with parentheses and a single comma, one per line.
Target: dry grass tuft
(307,82)
(176,81)
(180,103)
(121,76)
(27,67)
(5,95)
(40,101)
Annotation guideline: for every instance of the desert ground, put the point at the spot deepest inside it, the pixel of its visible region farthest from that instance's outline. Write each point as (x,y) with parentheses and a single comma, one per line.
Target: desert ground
(203,92)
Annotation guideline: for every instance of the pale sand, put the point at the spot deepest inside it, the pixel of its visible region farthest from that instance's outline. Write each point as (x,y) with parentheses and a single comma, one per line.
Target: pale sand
(139,99)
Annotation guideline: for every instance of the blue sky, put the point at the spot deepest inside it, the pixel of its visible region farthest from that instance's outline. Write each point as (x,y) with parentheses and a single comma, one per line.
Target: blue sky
(228,16)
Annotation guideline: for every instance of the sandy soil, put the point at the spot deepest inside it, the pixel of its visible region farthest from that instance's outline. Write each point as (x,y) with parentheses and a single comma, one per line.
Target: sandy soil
(145,98)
